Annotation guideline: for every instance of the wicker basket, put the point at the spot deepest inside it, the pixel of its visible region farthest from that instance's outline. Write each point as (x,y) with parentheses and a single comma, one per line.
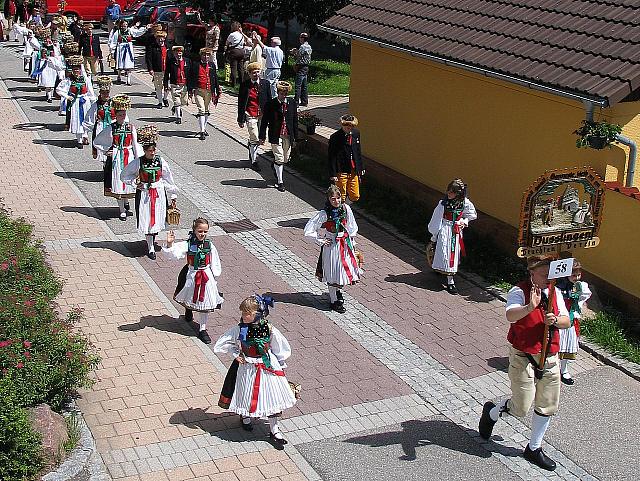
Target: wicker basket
(295,389)
(431,251)
(173,214)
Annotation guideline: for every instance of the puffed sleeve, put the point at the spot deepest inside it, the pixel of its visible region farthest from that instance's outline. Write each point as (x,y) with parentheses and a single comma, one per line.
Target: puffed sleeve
(130,172)
(515,298)
(469,213)
(90,117)
(585,293)
(137,31)
(280,346)
(313,225)
(216,266)
(90,92)
(352,226)
(63,88)
(436,221)
(178,250)
(104,140)
(228,342)
(113,40)
(138,151)
(167,177)
(562,307)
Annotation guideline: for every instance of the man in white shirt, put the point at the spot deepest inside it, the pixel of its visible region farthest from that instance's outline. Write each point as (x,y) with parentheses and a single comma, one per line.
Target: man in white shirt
(274,56)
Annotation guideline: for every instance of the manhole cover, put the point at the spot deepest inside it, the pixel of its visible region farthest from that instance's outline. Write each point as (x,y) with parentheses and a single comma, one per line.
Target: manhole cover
(241,225)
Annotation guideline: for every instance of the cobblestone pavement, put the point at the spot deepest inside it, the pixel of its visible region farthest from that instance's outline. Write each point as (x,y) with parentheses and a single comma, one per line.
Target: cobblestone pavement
(393,386)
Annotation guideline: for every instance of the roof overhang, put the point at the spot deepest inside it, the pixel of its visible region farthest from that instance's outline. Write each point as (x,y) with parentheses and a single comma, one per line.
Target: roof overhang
(573,95)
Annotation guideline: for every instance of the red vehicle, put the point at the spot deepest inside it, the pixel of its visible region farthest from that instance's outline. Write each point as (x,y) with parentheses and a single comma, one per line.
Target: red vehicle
(92,10)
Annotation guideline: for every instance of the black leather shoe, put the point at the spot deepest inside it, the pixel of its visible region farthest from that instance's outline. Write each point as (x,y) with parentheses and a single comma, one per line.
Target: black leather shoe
(188,315)
(159,106)
(569,381)
(204,337)
(165,102)
(339,296)
(280,441)
(80,146)
(538,458)
(152,256)
(485,426)
(127,206)
(338,307)
(173,110)
(452,289)
(247,427)
(281,187)
(201,135)
(255,167)
(206,134)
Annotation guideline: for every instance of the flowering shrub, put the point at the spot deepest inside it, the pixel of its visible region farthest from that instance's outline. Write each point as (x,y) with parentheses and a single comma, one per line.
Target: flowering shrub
(43,359)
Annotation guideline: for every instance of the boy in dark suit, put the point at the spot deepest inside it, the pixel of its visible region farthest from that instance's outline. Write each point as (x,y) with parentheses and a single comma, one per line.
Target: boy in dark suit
(90,49)
(281,120)
(345,158)
(176,76)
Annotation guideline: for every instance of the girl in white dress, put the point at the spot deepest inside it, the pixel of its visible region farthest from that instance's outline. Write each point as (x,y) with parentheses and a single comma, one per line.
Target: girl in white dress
(575,293)
(51,65)
(77,89)
(121,47)
(256,386)
(101,115)
(31,43)
(119,143)
(334,229)
(197,289)
(152,177)
(452,214)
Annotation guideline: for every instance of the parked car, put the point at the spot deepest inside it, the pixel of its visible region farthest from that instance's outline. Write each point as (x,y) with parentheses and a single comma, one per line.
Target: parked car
(149,8)
(91,10)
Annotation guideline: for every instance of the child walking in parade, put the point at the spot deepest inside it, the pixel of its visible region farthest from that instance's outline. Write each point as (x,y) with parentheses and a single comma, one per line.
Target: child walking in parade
(256,386)
(530,307)
(76,88)
(576,293)
(51,65)
(334,229)
(152,177)
(452,214)
(175,78)
(101,115)
(121,47)
(119,143)
(197,289)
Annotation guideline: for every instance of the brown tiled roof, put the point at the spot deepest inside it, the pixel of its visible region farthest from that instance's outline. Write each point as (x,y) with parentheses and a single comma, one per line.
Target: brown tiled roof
(581,47)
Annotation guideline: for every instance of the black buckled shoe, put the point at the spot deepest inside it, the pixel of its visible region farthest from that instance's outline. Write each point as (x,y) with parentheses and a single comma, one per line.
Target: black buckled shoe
(178,121)
(278,440)
(452,289)
(151,255)
(340,296)
(247,427)
(165,102)
(338,307)
(538,458)
(201,135)
(159,106)
(569,381)
(204,337)
(486,424)
(281,187)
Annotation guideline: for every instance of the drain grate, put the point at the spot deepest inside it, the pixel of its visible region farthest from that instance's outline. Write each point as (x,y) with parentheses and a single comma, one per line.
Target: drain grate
(242,225)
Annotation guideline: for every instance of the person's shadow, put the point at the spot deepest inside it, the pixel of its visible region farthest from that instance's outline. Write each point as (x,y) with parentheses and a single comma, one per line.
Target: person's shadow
(421,280)
(162,323)
(418,433)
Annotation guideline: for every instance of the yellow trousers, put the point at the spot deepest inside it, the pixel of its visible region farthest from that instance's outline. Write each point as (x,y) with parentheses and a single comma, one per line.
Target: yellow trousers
(526,390)
(349,184)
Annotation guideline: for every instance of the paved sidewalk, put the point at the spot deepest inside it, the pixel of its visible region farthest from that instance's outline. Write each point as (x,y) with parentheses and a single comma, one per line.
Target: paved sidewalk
(392,389)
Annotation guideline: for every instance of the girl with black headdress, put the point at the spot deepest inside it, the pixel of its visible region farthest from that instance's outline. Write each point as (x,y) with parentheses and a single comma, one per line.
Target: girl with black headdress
(452,214)
(334,229)
(256,386)
(197,289)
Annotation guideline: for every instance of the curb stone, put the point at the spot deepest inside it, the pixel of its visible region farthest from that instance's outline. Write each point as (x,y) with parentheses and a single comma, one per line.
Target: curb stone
(84,456)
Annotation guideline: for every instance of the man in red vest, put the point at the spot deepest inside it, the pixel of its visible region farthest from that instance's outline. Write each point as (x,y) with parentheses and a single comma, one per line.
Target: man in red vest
(204,86)
(176,75)
(529,309)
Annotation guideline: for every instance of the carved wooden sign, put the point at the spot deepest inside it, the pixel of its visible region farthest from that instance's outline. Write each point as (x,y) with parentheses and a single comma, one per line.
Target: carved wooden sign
(561,211)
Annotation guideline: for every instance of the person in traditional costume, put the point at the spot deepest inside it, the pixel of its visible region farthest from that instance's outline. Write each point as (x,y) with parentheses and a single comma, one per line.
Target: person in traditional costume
(334,229)
(153,178)
(576,293)
(176,78)
(452,214)
(100,115)
(31,44)
(51,65)
(254,94)
(78,91)
(531,307)
(156,58)
(256,386)
(119,143)
(345,158)
(280,119)
(197,289)
(121,47)
(204,86)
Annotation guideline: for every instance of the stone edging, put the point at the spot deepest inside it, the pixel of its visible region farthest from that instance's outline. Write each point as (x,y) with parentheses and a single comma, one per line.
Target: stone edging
(629,368)
(84,456)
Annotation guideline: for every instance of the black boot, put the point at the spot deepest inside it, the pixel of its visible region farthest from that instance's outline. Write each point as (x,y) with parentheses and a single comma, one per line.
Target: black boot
(338,307)
(188,315)
(204,337)
(485,426)
(538,458)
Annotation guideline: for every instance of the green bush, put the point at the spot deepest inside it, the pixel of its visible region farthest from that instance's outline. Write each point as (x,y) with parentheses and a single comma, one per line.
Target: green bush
(19,445)
(43,359)
(607,328)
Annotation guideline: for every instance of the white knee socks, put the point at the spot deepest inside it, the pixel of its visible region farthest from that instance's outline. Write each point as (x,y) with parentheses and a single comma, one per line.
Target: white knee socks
(202,121)
(121,206)
(159,94)
(206,119)
(202,319)
(539,425)
(178,112)
(150,238)
(279,170)
(450,280)
(564,368)
(79,138)
(498,409)
(333,294)
(273,425)
(253,151)
(128,78)
(49,93)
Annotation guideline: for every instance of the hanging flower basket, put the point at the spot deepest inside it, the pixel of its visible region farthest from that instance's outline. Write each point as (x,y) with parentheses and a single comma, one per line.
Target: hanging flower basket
(597,135)
(309,121)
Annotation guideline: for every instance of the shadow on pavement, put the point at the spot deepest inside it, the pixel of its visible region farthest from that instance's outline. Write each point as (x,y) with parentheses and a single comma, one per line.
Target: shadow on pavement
(477,294)
(62,143)
(295,223)
(304,299)
(87,176)
(161,323)
(225,426)
(247,183)
(102,213)
(161,120)
(418,433)
(41,108)
(501,363)
(18,79)
(124,248)
(225,164)
(178,133)
(31,88)
(141,94)
(421,280)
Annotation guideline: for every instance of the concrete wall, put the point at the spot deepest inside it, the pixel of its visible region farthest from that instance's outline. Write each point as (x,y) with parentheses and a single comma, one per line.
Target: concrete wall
(433,123)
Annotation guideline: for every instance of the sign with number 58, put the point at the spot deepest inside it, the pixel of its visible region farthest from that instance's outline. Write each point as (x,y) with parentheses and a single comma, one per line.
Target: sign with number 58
(561,268)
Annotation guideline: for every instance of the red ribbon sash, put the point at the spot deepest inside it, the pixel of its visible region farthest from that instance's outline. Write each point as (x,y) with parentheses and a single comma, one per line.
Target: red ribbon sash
(343,258)
(256,384)
(201,280)
(153,195)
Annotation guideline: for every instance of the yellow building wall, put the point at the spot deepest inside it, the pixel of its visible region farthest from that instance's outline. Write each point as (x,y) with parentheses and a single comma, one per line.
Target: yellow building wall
(433,123)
